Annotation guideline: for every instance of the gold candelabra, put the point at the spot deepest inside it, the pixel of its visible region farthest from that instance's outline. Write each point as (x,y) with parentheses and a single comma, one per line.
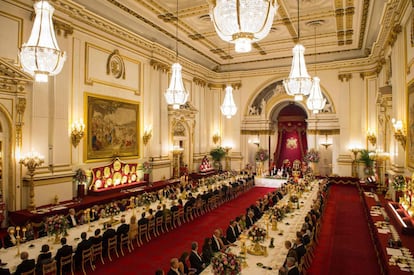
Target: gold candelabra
(77,132)
(31,161)
(227,157)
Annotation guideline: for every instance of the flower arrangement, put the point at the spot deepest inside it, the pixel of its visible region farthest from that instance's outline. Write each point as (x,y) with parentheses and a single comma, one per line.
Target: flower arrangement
(111,210)
(279,213)
(262,155)
(226,264)
(217,153)
(80,176)
(312,156)
(398,182)
(146,198)
(147,167)
(56,224)
(257,234)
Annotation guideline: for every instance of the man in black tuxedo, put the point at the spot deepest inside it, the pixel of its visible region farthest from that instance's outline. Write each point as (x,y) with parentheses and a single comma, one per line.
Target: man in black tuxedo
(26,264)
(250,220)
(64,251)
(299,247)
(195,259)
(292,269)
(109,233)
(174,267)
(231,233)
(216,242)
(4,271)
(72,219)
(83,245)
(144,220)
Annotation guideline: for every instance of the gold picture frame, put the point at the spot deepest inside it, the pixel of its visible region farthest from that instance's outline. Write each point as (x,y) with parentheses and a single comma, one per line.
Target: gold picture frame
(410,125)
(112,128)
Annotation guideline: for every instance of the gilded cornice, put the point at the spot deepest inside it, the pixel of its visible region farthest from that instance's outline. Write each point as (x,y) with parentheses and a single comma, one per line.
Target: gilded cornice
(346,77)
(394,34)
(235,85)
(257,132)
(410,64)
(159,66)
(200,81)
(61,26)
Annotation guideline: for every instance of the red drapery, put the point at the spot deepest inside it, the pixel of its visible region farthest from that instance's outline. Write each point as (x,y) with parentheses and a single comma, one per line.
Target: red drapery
(292,141)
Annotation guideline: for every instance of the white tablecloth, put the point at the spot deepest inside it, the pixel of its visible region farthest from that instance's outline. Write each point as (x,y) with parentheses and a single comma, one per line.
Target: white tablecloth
(269,182)
(288,227)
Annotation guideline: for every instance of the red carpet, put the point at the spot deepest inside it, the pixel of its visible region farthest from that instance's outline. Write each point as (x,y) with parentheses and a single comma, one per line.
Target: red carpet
(345,246)
(158,252)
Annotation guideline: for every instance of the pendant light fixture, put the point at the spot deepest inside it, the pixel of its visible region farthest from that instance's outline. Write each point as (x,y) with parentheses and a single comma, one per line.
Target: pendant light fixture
(176,94)
(242,22)
(228,108)
(316,102)
(299,83)
(41,56)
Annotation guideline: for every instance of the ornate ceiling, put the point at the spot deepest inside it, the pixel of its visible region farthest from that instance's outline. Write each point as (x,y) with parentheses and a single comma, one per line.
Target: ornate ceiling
(345,29)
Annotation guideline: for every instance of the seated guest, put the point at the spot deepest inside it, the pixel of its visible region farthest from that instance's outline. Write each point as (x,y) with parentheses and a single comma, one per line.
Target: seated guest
(150,214)
(109,233)
(223,239)
(133,228)
(195,259)
(231,234)
(64,251)
(83,245)
(72,219)
(159,272)
(305,235)
(29,232)
(183,267)
(96,238)
(299,247)
(207,251)
(26,264)
(291,267)
(216,242)
(10,239)
(143,219)
(242,222)
(4,271)
(44,257)
(250,220)
(174,265)
(291,252)
(94,213)
(159,212)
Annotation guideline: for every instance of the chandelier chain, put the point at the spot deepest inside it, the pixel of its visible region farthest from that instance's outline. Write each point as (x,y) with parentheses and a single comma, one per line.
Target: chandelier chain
(176,35)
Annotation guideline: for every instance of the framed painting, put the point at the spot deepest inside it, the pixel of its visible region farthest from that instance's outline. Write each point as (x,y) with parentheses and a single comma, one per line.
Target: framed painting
(410,124)
(112,128)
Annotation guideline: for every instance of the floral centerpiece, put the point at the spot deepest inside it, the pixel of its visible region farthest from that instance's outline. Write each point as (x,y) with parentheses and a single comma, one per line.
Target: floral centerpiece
(146,198)
(57,225)
(257,234)
(278,213)
(398,182)
(80,176)
(111,210)
(226,264)
(312,156)
(262,155)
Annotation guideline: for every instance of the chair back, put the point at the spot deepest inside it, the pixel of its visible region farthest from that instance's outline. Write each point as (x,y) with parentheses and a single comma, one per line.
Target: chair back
(49,268)
(151,224)
(66,260)
(87,255)
(158,221)
(112,242)
(30,272)
(97,249)
(142,228)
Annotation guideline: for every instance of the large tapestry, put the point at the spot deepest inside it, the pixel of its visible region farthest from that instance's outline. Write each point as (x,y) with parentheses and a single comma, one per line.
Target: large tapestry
(112,127)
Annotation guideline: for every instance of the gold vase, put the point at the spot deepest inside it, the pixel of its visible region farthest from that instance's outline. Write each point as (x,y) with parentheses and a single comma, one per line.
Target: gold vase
(57,238)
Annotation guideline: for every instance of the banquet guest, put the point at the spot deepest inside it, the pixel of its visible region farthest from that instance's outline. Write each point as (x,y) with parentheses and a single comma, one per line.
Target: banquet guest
(72,219)
(159,272)
(94,213)
(174,264)
(83,245)
(207,251)
(292,269)
(291,252)
(242,222)
(44,257)
(9,240)
(29,232)
(109,233)
(224,241)
(231,234)
(159,212)
(150,214)
(64,251)
(299,247)
(195,259)
(250,219)
(216,242)
(238,227)
(96,238)
(143,219)
(26,264)
(305,235)
(183,267)
(122,230)
(4,271)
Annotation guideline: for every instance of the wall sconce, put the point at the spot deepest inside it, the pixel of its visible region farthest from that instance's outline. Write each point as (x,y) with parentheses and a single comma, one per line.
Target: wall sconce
(78,130)
(371,137)
(216,138)
(147,135)
(399,134)
(326,143)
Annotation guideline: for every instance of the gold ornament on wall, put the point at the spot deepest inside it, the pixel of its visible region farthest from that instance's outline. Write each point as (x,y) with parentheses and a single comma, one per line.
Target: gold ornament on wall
(115,65)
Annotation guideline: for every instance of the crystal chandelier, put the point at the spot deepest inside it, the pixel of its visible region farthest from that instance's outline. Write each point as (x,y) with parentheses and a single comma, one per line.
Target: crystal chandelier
(242,22)
(176,94)
(41,55)
(316,102)
(228,108)
(299,82)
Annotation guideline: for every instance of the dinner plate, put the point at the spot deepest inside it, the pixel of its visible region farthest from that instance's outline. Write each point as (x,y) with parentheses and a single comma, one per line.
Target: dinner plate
(107,172)
(126,169)
(98,174)
(117,165)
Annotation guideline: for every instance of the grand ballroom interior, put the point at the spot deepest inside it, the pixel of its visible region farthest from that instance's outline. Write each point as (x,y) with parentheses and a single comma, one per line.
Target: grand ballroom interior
(105,100)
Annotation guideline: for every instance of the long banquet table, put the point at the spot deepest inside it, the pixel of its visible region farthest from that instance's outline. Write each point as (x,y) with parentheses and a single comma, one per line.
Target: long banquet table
(10,255)
(286,230)
(269,182)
